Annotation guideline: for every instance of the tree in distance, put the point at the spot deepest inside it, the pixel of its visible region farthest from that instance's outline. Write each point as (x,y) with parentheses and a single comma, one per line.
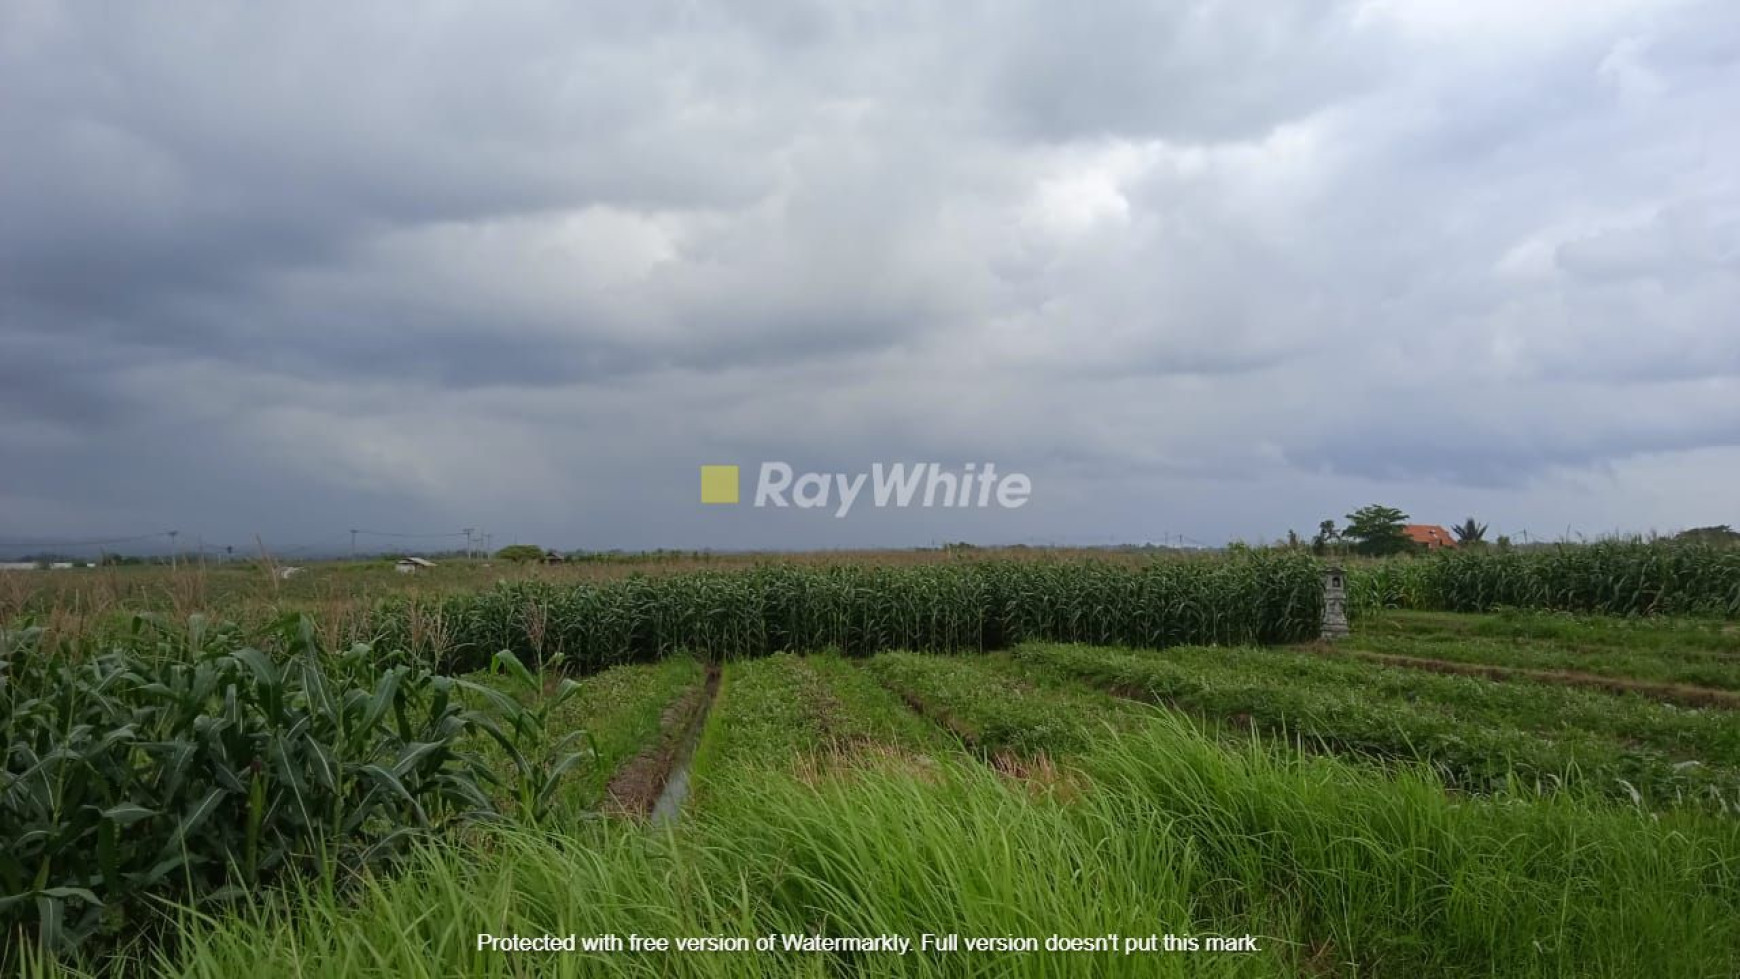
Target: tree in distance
(1468,533)
(1376,531)
(1327,540)
(520,552)
(1718,534)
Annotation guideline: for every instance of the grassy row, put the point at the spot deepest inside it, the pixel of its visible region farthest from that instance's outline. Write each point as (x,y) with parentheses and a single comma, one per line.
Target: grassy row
(1661,650)
(993,712)
(1714,670)
(1711,736)
(761,712)
(1337,872)
(1664,635)
(1482,734)
(1260,598)
(1608,577)
(862,711)
(784,708)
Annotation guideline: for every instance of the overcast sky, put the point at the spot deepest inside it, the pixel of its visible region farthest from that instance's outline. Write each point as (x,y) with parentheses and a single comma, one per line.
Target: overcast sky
(1217,269)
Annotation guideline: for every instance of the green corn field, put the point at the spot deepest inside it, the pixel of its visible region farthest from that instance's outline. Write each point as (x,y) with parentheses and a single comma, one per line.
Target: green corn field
(1254,598)
(1607,577)
(865,609)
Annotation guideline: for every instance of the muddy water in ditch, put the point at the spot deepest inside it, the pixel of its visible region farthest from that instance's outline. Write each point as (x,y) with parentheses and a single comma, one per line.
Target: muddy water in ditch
(670,801)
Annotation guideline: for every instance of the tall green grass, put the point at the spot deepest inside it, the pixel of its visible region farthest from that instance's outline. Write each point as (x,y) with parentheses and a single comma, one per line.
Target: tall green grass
(1337,871)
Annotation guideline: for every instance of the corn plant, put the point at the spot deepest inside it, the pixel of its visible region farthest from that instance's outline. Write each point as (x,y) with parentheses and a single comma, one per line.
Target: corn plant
(540,758)
(1606,577)
(193,773)
(862,610)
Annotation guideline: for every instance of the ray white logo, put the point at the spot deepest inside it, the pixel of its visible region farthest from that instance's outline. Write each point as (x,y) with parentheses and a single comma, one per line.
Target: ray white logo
(926,484)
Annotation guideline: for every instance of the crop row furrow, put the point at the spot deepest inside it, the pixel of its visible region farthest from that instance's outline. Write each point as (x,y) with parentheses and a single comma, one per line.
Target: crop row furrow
(993,712)
(1374,712)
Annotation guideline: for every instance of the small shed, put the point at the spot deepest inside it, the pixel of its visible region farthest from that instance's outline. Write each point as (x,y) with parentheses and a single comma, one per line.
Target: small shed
(412,565)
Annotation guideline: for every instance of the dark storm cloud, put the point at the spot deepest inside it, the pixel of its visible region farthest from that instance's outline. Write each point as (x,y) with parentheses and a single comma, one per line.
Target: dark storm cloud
(1484,455)
(33,364)
(290,269)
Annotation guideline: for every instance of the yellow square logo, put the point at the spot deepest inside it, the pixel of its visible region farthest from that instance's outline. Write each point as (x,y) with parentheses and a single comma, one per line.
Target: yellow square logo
(718,484)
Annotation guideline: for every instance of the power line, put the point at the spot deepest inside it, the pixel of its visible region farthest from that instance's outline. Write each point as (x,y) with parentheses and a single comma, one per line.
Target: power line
(324,543)
(23,543)
(388,533)
(63,542)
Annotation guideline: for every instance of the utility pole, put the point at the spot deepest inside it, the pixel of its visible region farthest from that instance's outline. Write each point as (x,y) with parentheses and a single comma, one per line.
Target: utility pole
(172,548)
(468,542)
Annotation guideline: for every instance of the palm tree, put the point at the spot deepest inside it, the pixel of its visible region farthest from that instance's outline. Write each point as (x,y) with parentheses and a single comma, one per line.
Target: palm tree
(1327,536)
(1468,532)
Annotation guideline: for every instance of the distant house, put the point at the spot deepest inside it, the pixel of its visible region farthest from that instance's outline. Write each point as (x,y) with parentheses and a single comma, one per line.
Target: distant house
(553,557)
(412,565)
(17,565)
(1429,535)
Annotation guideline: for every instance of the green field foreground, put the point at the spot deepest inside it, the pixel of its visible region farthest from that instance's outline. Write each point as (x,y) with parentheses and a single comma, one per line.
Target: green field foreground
(991,797)
(1162,831)
(1332,815)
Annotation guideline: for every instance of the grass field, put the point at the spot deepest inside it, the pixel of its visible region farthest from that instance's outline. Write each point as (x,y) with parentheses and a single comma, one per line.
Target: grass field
(1364,809)
(1094,816)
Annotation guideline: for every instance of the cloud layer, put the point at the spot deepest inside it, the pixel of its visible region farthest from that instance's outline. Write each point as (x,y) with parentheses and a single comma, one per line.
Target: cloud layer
(1198,268)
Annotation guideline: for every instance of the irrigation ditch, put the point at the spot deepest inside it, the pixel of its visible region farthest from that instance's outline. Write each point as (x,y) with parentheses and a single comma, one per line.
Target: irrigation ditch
(655,783)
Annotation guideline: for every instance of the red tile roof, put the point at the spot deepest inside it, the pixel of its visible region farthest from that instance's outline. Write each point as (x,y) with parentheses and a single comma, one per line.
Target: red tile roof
(1429,534)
